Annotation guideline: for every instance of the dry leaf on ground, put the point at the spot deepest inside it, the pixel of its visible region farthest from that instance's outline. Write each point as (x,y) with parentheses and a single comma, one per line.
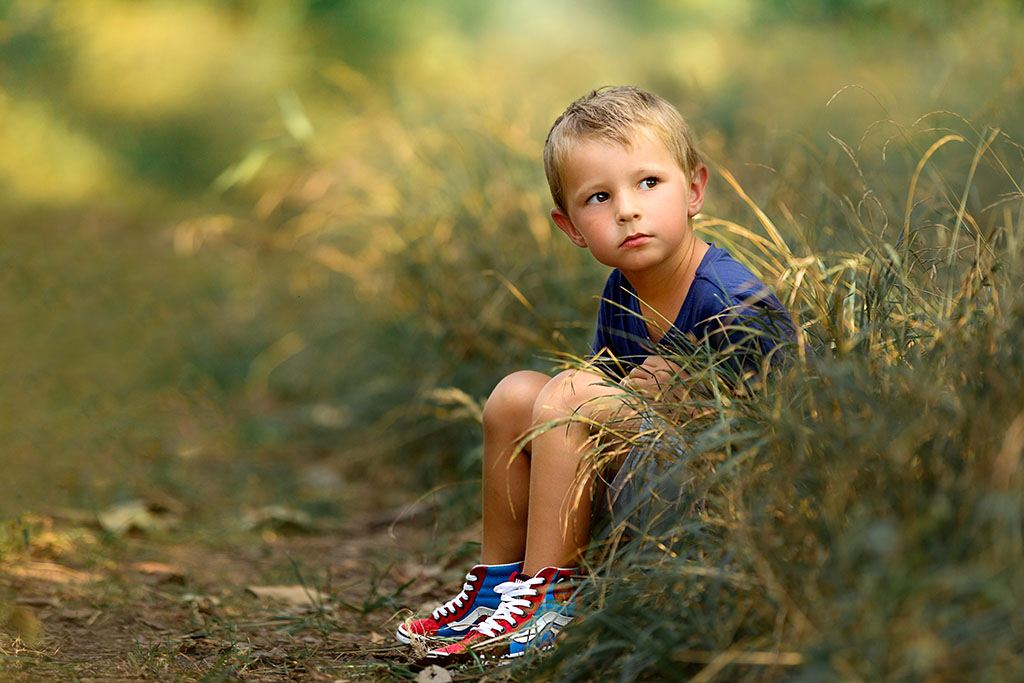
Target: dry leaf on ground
(158,572)
(50,572)
(434,674)
(293,595)
(279,518)
(136,515)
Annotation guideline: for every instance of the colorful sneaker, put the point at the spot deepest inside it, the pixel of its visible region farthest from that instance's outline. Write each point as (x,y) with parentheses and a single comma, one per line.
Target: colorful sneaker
(532,611)
(476,600)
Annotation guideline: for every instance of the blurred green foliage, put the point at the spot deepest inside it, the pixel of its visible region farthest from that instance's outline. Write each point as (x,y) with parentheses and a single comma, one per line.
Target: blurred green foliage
(357,177)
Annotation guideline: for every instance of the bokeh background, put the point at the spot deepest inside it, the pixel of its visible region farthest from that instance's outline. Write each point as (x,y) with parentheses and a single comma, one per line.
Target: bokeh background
(278,252)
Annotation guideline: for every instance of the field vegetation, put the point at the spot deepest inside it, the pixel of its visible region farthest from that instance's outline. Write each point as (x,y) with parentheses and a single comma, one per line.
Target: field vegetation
(261,263)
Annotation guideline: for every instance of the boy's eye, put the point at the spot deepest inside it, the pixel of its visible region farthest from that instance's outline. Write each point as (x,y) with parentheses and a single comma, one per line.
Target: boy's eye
(649,182)
(597,198)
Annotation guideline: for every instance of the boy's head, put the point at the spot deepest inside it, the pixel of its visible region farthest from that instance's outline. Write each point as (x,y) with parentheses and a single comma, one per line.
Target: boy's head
(616,114)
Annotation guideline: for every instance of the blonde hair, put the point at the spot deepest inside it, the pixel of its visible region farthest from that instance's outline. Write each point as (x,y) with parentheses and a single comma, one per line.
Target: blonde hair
(619,114)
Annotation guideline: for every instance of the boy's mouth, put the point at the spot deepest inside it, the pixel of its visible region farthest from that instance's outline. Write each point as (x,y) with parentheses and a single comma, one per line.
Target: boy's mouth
(635,240)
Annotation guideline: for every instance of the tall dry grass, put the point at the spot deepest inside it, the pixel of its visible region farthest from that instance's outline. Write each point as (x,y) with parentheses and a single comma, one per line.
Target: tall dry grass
(857,515)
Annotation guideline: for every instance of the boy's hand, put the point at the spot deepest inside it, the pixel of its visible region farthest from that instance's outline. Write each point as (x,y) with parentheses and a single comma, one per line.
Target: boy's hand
(654,378)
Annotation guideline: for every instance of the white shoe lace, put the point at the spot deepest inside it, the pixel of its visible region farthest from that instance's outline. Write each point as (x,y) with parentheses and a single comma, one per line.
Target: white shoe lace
(511,605)
(455,603)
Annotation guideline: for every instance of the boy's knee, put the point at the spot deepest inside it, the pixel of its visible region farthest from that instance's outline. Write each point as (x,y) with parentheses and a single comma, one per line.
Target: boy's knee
(513,398)
(575,393)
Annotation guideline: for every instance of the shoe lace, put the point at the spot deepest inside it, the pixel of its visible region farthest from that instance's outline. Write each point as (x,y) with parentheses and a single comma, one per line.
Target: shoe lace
(511,605)
(455,603)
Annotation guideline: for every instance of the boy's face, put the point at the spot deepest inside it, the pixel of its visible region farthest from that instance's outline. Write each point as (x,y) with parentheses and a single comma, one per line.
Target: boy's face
(630,206)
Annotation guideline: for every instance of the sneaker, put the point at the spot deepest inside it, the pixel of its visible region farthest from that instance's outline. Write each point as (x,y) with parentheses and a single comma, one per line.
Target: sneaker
(476,600)
(532,611)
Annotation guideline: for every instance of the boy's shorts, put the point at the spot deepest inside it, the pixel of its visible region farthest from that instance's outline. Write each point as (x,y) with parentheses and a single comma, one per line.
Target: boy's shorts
(643,477)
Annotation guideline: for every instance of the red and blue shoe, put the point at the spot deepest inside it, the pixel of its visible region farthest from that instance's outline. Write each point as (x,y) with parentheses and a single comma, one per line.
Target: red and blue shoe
(476,601)
(532,612)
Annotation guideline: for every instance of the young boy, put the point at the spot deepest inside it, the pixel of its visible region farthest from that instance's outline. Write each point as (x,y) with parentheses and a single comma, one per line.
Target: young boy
(626,182)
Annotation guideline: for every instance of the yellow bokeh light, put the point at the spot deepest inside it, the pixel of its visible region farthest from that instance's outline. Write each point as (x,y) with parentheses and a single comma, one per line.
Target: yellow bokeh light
(165,58)
(45,160)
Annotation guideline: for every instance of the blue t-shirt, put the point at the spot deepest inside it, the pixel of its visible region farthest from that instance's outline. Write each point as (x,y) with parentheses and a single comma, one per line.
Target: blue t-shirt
(726,305)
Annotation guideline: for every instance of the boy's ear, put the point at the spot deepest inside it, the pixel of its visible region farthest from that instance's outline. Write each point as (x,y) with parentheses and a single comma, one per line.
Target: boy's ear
(697,184)
(565,223)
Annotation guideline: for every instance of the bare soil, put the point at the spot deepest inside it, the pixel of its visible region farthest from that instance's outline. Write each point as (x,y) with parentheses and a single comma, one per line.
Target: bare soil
(262,606)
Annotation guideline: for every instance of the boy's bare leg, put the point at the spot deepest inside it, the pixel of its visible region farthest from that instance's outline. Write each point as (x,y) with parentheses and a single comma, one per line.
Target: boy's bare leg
(558,527)
(508,415)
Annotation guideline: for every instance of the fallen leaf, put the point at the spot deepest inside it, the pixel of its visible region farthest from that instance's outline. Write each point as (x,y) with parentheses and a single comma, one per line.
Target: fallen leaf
(158,572)
(434,674)
(135,515)
(278,518)
(292,595)
(49,571)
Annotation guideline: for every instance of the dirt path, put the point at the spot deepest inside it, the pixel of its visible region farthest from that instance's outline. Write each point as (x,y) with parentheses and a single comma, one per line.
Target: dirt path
(262,606)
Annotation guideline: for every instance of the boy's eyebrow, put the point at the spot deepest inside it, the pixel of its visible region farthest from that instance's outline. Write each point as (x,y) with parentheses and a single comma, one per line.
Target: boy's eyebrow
(587,190)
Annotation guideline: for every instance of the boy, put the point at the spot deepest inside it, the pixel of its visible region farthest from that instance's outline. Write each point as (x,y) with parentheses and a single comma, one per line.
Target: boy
(626,182)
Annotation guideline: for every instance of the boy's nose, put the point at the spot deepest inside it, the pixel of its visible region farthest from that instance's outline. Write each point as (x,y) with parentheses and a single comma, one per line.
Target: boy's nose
(627,211)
